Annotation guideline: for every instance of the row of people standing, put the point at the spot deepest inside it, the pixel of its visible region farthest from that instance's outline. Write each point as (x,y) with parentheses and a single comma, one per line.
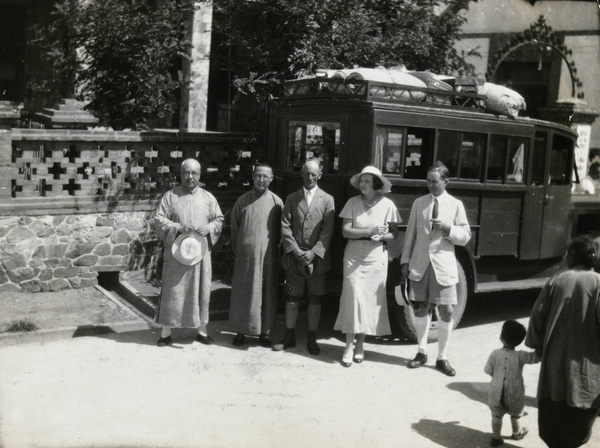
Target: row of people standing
(304,225)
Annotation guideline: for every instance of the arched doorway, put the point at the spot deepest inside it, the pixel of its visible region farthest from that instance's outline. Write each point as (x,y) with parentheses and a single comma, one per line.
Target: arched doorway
(536,64)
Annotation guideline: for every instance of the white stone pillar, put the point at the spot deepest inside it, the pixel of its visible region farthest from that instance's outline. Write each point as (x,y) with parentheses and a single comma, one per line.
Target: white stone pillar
(194,96)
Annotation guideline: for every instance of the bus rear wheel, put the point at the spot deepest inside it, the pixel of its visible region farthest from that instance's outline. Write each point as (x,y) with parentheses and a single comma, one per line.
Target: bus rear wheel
(405,315)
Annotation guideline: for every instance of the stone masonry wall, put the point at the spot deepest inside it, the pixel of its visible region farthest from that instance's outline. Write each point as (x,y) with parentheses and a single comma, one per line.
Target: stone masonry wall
(52,253)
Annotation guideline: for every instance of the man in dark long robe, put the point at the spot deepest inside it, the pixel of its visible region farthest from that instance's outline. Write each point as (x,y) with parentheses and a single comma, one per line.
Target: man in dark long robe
(255,233)
(185,293)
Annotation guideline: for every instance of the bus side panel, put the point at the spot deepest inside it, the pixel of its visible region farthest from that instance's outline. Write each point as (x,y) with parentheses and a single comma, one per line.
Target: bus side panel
(500,220)
(556,218)
(471,201)
(531,226)
(403,198)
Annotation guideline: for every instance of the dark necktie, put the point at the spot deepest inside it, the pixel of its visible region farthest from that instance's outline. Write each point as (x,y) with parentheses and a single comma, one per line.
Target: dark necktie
(434,213)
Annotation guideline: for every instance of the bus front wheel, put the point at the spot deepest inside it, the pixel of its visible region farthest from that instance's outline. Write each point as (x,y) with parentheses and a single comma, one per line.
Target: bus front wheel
(406,317)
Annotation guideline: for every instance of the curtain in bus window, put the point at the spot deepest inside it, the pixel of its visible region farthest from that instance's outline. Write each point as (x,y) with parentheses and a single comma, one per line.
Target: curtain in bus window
(516,160)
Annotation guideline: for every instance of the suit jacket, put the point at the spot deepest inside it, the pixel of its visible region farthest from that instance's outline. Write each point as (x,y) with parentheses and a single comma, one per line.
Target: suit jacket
(309,227)
(424,245)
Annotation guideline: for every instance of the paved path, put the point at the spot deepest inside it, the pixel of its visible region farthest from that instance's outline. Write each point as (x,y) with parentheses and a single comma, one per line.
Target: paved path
(122,390)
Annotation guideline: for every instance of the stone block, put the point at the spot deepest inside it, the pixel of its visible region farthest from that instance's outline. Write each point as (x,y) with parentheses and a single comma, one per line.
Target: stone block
(42,229)
(45,275)
(121,249)
(105,221)
(13,262)
(83,282)
(64,230)
(78,249)
(9,248)
(25,220)
(57,250)
(36,263)
(4,231)
(121,236)
(110,261)
(65,272)
(31,286)
(19,275)
(58,284)
(19,234)
(86,260)
(58,220)
(39,252)
(102,249)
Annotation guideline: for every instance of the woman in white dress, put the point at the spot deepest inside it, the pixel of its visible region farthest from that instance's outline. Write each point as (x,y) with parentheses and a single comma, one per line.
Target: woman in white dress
(369,220)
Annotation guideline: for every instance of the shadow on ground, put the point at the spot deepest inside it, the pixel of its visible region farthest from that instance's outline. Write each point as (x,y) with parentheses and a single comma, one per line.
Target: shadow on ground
(452,434)
(478,392)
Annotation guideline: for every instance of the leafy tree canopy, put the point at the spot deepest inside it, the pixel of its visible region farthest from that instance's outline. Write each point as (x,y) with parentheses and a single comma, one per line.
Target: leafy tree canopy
(120,56)
(269,40)
(129,51)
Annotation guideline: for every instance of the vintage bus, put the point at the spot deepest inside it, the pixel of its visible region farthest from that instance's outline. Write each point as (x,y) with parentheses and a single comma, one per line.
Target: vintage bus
(513,175)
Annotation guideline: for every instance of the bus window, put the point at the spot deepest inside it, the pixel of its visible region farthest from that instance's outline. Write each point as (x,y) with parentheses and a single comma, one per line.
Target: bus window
(461,153)
(517,159)
(389,145)
(539,158)
(448,145)
(317,140)
(560,162)
(497,158)
(419,152)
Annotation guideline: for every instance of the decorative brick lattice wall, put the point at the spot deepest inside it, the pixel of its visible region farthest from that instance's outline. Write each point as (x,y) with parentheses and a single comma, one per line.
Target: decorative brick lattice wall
(76,203)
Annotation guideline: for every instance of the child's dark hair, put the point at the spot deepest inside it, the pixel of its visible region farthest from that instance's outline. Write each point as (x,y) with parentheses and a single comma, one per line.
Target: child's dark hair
(513,333)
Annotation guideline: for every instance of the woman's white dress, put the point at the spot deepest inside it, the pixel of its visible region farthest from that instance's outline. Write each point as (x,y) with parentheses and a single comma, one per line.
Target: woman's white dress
(363,304)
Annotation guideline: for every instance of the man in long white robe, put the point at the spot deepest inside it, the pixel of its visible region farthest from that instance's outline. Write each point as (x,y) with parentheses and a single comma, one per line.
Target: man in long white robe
(185,293)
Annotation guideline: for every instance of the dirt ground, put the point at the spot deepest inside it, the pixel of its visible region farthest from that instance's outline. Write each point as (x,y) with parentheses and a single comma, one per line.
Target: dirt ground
(69,308)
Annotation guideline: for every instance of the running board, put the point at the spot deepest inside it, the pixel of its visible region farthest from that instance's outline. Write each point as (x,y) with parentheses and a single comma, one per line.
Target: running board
(533,283)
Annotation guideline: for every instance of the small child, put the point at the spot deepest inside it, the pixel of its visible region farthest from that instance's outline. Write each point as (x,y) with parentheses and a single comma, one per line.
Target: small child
(507,390)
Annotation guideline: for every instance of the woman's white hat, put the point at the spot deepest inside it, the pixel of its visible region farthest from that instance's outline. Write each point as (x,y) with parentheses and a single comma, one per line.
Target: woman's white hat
(189,248)
(387,185)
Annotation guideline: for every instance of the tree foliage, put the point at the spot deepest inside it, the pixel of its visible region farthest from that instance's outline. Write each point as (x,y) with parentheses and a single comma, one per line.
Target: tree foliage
(129,51)
(281,39)
(51,62)
(120,56)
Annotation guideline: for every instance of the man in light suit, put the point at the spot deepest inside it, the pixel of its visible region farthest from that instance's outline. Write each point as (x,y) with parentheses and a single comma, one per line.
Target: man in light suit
(306,231)
(437,223)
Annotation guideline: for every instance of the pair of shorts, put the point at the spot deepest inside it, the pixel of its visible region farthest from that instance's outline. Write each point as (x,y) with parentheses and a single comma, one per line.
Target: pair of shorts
(295,286)
(429,290)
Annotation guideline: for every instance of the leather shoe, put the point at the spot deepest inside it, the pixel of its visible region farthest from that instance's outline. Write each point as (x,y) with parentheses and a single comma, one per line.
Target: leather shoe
(418,361)
(288,341)
(265,340)
(163,342)
(206,340)
(311,343)
(239,339)
(444,366)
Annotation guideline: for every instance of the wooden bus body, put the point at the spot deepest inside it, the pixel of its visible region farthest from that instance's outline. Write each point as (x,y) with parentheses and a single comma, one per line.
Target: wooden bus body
(513,175)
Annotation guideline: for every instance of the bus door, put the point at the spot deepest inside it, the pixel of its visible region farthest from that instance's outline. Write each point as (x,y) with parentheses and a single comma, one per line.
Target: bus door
(557,199)
(546,208)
